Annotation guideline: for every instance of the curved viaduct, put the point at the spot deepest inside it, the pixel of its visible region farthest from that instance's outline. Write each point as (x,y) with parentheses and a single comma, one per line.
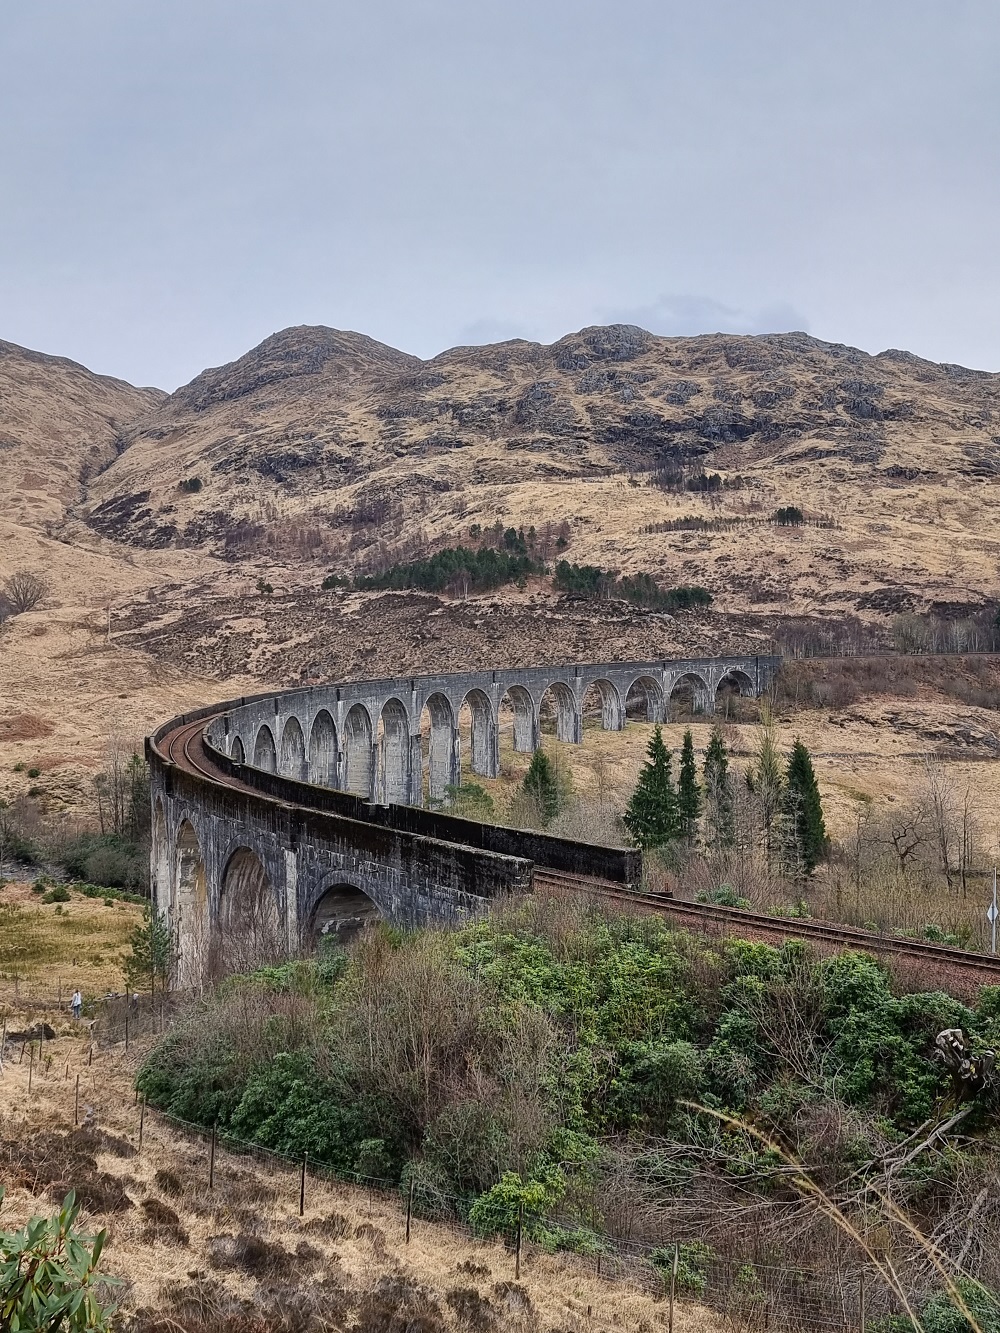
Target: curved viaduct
(285,814)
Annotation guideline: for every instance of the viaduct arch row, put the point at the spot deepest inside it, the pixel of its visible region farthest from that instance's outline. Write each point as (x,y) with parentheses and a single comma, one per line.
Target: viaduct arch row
(282,815)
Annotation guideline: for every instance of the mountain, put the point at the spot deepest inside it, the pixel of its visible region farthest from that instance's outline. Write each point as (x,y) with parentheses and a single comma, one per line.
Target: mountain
(327,447)
(59,425)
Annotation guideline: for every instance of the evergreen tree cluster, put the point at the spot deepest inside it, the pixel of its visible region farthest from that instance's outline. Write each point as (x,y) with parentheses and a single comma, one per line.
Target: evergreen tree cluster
(457,568)
(661,813)
(639,589)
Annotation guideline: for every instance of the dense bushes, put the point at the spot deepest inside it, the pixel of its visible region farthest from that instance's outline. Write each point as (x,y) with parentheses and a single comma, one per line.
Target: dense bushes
(492,1066)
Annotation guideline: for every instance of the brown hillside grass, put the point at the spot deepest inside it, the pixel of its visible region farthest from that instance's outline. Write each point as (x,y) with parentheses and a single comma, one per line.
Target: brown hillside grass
(195,1261)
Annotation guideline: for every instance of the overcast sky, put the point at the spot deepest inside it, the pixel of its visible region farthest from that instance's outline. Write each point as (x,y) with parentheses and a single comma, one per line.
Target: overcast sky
(180,178)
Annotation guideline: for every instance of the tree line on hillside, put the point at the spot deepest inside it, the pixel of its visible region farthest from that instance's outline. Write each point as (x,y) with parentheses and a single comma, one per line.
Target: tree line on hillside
(462,570)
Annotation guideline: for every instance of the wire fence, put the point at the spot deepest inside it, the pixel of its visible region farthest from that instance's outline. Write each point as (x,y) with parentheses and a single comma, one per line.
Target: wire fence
(749,1289)
(751,1294)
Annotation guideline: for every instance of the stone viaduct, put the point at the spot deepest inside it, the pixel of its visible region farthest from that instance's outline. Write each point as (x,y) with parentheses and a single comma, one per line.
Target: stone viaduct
(286,815)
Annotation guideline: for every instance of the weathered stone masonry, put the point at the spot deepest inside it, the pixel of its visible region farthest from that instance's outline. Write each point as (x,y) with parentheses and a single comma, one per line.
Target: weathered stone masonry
(331,829)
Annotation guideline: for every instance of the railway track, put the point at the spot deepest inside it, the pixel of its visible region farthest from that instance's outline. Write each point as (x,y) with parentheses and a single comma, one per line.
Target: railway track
(959,970)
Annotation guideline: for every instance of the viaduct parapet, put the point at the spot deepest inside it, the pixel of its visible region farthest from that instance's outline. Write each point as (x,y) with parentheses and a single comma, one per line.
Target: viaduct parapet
(287,815)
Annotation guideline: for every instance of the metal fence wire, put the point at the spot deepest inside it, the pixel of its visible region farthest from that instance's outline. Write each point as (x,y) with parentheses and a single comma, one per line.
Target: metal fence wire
(750,1296)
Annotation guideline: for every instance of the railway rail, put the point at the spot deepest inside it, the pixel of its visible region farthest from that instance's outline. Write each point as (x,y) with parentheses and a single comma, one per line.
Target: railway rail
(961,971)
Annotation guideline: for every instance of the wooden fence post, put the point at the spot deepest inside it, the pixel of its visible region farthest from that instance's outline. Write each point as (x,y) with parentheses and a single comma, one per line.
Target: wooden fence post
(409,1210)
(31,1066)
(142,1120)
(76,1107)
(211,1159)
(302,1187)
(126,1027)
(520,1229)
(673,1289)
(862,1312)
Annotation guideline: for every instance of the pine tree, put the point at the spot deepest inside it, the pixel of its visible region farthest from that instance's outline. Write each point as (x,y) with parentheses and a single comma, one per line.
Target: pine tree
(153,952)
(718,793)
(688,791)
(804,810)
(652,817)
(541,787)
(766,779)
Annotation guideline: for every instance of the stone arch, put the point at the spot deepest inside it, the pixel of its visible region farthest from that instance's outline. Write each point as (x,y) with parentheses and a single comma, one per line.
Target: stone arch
(341,912)
(323,751)
(159,860)
(293,751)
(190,906)
(689,695)
(644,700)
(518,703)
(358,752)
(265,755)
(734,686)
(236,751)
(249,931)
(558,704)
(394,753)
(484,756)
(603,700)
(439,752)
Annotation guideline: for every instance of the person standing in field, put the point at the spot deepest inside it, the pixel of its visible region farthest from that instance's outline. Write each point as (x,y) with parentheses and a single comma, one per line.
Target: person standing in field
(76,1004)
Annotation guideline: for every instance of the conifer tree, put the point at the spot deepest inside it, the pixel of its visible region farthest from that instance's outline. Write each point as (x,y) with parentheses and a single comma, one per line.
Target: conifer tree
(766,779)
(804,811)
(718,793)
(688,791)
(652,817)
(541,787)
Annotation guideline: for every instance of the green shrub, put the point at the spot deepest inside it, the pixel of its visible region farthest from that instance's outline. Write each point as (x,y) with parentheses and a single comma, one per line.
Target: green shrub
(34,772)
(334,581)
(458,569)
(941,1315)
(790,516)
(192,485)
(693,1262)
(57,894)
(47,1276)
(499,1211)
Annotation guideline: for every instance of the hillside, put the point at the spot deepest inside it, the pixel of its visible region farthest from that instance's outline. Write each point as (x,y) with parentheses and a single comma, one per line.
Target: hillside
(327,447)
(59,425)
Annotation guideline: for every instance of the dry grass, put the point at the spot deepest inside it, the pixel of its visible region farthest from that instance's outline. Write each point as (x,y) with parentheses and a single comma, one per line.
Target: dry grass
(245,1240)
(25,727)
(53,951)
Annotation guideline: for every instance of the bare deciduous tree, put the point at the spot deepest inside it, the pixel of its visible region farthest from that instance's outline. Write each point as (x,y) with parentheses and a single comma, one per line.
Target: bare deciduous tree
(25,589)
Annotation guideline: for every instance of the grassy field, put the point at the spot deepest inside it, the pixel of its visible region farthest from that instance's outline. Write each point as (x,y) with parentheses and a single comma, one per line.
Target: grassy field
(48,950)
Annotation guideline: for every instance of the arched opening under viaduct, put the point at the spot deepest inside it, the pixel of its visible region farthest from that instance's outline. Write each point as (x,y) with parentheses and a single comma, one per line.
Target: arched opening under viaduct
(323,751)
(342,913)
(478,732)
(689,696)
(602,706)
(732,690)
(516,720)
(265,755)
(293,751)
(249,932)
(358,752)
(190,902)
(394,753)
(438,749)
(557,712)
(237,752)
(644,700)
